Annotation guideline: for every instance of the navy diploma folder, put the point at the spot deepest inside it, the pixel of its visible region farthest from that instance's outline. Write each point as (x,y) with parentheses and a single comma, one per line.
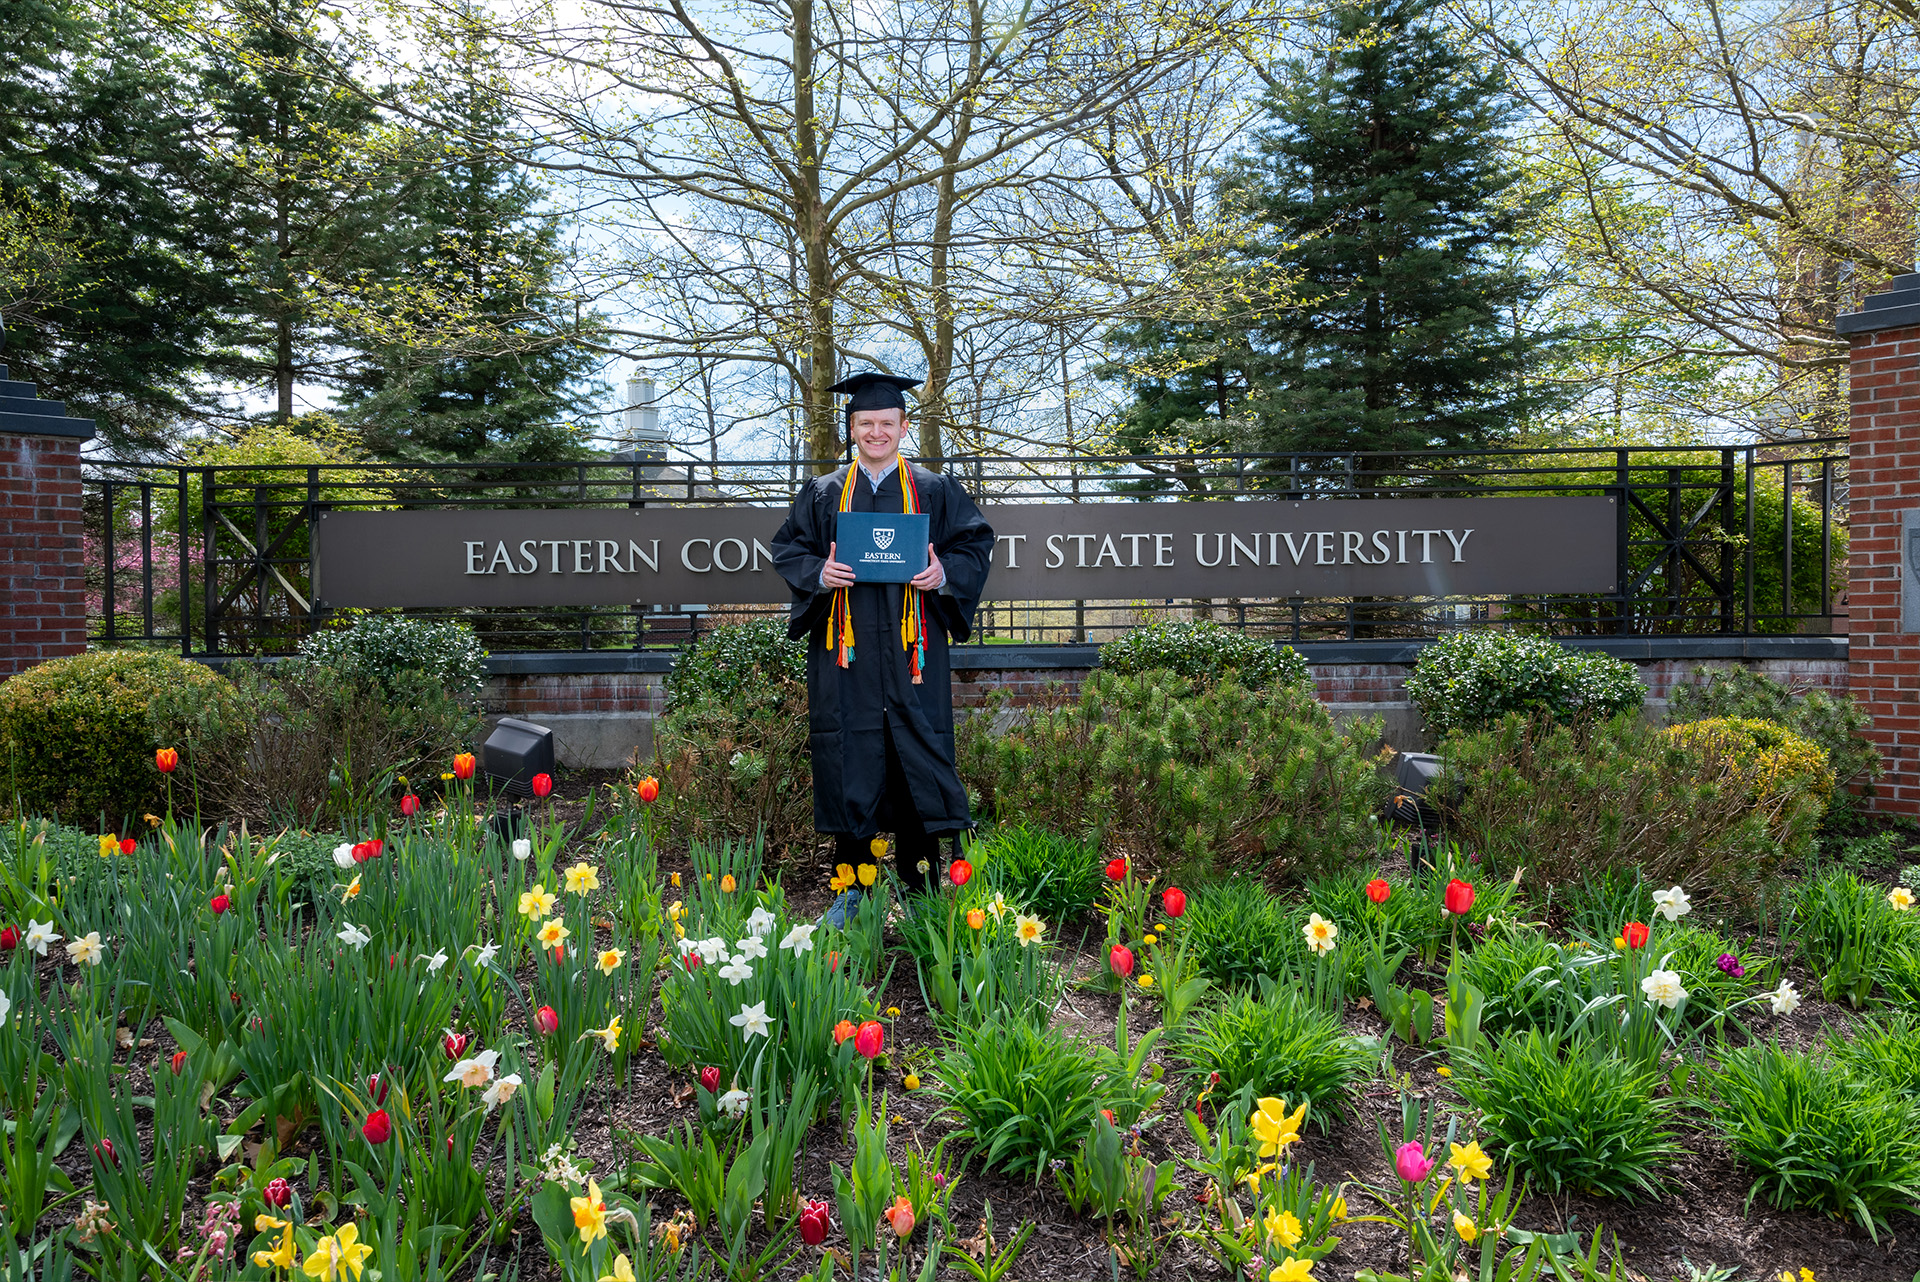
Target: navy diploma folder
(882,547)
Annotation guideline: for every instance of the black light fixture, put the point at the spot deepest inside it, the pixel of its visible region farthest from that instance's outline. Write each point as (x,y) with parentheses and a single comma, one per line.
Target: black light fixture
(514,753)
(1413,775)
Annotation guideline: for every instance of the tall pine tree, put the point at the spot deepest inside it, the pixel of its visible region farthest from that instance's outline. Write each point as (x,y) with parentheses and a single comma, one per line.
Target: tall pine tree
(1382,183)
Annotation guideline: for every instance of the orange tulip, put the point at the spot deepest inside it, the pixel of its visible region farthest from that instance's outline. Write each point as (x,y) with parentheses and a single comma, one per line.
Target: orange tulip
(463,765)
(167,760)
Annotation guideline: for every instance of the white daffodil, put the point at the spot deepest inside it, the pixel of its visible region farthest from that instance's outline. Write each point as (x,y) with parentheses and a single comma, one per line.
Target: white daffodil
(343,855)
(483,954)
(800,938)
(760,923)
(86,950)
(435,962)
(477,1071)
(998,905)
(39,935)
(1901,898)
(1663,988)
(501,1091)
(355,936)
(1320,934)
(1785,999)
(712,951)
(522,849)
(736,970)
(1671,904)
(6,1007)
(687,946)
(734,1102)
(752,1020)
(752,946)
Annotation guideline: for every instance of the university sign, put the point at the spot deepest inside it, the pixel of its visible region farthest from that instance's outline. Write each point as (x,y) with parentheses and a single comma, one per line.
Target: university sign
(1043,552)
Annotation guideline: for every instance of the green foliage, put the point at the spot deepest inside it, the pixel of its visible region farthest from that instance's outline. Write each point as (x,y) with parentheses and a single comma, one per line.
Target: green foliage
(1239,931)
(1585,1120)
(1512,968)
(749,667)
(1846,930)
(1051,876)
(1175,772)
(79,733)
(1468,681)
(1883,1051)
(380,648)
(1025,1093)
(1837,725)
(1569,802)
(1202,650)
(1277,1044)
(1818,1137)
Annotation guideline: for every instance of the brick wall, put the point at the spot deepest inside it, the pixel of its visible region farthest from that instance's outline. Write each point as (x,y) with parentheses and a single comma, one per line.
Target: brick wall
(1884,481)
(42,575)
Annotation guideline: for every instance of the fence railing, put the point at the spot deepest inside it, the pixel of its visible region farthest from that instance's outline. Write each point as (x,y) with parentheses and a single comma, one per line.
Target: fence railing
(1736,541)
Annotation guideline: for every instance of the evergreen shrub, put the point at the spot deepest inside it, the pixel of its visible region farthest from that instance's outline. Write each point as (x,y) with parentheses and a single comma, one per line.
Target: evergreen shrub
(1838,725)
(379,648)
(1174,771)
(1468,681)
(79,733)
(1202,650)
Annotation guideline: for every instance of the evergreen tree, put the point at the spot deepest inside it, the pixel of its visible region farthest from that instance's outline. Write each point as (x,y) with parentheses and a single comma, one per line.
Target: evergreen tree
(1383,187)
(478,357)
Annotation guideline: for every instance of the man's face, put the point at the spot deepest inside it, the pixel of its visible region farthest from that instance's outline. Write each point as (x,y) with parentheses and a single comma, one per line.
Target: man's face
(877,433)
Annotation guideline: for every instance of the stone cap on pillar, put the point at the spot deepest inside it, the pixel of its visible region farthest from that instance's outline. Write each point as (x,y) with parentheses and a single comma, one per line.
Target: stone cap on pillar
(23,413)
(1898,308)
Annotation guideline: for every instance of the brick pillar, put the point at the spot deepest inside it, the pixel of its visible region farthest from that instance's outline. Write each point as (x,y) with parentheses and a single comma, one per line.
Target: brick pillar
(43,605)
(1883,518)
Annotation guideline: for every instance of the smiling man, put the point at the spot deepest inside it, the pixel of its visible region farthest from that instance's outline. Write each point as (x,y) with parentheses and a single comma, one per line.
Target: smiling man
(879,696)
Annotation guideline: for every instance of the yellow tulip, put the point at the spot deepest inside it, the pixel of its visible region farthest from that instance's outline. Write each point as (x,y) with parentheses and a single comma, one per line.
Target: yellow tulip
(337,1255)
(1274,1127)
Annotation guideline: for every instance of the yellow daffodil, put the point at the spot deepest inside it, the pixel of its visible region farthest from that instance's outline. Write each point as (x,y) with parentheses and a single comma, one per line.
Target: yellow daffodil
(590,1215)
(1292,1270)
(282,1256)
(1339,1210)
(673,879)
(1901,898)
(553,933)
(1274,1127)
(622,1270)
(868,874)
(352,891)
(337,1255)
(109,845)
(1470,1164)
(582,879)
(1252,1178)
(1283,1227)
(842,878)
(1465,1227)
(609,1036)
(610,960)
(536,902)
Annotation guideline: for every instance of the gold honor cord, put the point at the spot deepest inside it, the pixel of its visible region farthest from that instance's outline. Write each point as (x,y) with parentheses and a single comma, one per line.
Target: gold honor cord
(913,634)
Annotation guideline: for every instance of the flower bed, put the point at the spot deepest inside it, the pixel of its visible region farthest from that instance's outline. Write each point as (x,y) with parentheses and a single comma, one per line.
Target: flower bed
(579,1049)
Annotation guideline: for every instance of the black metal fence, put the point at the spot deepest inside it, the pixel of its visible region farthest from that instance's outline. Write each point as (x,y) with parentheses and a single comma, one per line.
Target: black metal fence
(1732,541)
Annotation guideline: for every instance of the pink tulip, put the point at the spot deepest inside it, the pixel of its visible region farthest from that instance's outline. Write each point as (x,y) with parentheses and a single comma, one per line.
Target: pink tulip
(1412,1162)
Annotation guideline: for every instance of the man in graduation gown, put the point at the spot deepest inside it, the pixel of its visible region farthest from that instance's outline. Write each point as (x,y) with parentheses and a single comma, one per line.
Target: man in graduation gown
(880,710)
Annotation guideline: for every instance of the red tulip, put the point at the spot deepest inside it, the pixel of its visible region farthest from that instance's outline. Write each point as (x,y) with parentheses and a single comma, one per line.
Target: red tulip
(454,1044)
(1174,900)
(374,847)
(166,760)
(1120,957)
(547,1020)
(361,852)
(277,1193)
(9,939)
(377,1089)
(378,1128)
(1635,934)
(449,1147)
(104,1152)
(542,784)
(1459,897)
(710,1078)
(220,904)
(649,789)
(463,764)
(1378,890)
(1108,1114)
(842,1031)
(869,1038)
(179,1061)
(128,845)
(409,806)
(814,1223)
(693,962)
(1116,869)
(959,872)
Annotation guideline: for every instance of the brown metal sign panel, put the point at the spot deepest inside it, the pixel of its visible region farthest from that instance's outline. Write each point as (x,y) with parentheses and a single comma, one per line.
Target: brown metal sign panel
(1044,552)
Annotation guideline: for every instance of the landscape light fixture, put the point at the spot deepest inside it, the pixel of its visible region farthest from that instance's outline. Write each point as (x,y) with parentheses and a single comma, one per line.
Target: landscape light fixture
(514,753)
(1413,775)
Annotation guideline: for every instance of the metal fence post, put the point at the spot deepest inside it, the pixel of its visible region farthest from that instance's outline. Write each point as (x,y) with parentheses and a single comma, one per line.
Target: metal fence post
(1623,547)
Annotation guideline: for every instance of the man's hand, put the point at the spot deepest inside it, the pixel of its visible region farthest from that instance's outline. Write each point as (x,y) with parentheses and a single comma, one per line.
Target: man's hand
(931,578)
(838,574)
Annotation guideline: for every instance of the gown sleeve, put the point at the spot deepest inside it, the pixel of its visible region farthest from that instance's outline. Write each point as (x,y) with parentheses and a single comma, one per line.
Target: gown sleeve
(964,542)
(799,554)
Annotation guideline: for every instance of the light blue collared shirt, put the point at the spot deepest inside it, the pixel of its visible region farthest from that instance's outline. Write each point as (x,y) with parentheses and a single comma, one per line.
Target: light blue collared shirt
(874,481)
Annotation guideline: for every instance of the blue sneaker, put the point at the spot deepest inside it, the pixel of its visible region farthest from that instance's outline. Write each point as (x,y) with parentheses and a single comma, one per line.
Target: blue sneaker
(843,909)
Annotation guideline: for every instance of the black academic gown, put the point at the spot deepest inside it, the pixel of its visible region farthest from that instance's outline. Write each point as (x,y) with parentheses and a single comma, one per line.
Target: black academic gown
(853,711)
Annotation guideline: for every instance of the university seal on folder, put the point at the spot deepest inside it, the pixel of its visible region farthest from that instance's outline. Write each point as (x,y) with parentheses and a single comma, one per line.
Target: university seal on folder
(882,547)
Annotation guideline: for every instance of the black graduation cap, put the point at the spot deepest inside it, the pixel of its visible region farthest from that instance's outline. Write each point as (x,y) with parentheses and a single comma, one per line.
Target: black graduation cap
(874,391)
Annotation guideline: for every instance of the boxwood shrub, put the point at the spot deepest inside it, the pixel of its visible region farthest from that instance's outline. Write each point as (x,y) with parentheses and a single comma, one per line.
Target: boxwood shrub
(1202,650)
(1468,681)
